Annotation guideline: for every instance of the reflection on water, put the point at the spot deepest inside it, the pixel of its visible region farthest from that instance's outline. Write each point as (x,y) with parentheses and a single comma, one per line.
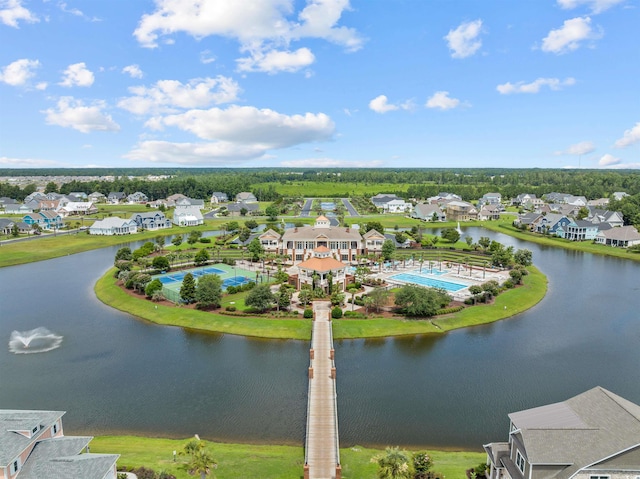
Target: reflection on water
(115,374)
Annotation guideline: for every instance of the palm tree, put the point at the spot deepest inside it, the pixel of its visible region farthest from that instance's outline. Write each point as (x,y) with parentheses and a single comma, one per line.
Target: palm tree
(394,464)
(200,458)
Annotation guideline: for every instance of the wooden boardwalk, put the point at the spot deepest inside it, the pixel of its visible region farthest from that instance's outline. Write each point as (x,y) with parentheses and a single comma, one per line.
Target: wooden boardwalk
(322,456)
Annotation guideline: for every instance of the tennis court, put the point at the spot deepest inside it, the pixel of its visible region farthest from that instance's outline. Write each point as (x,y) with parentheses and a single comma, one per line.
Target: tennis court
(230,275)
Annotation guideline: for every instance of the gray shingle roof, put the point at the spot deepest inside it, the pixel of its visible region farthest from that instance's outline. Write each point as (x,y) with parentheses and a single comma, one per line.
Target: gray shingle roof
(13,442)
(580,431)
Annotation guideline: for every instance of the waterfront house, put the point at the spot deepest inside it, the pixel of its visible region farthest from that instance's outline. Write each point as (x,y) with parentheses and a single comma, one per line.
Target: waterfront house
(622,237)
(17,209)
(551,223)
(33,446)
(489,213)
(490,199)
(599,216)
(113,226)
(461,211)
(187,215)
(372,241)
(270,241)
(578,230)
(428,212)
(528,220)
(235,209)
(151,221)
(594,435)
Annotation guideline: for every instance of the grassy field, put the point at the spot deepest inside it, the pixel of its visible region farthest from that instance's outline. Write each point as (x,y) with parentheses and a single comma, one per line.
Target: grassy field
(240,461)
(507,304)
(329,189)
(109,293)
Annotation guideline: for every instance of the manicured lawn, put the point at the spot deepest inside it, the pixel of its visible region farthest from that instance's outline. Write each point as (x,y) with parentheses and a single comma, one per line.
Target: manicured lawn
(240,461)
(109,293)
(507,304)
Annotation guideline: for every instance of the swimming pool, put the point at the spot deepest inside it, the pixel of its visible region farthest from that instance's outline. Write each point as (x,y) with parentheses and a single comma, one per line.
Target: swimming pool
(428,282)
(435,272)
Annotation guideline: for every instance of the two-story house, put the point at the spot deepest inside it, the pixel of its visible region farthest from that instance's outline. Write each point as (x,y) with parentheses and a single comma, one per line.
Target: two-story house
(33,446)
(594,435)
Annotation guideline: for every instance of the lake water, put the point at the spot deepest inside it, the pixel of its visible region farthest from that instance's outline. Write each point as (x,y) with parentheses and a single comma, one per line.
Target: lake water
(115,374)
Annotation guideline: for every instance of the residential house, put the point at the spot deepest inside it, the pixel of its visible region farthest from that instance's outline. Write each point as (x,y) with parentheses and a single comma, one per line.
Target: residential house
(187,216)
(48,205)
(528,201)
(17,209)
(5,200)
(218,197)
(528,220)
(489,212)
(246,197)
(461,211)
(444,197)
(137,198)
(598,203)
(116,197)
(153,220)
(344,243)
(33,446)
(97,197)
(80,195)
(551,223)
(490,199)
(47,220)
(623,237)
(173,199)
(618,195)
(599,216)
(113,226)
(37,195)
(594,435)
(235,209)
(77,208)
(426,212)
(390,203)
(578,230)
(7,224)
(190,202)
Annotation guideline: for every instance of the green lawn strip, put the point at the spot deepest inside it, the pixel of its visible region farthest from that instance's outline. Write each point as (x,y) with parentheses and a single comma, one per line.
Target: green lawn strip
(330,189)
(111,294)
(516,301)
(507,304)
(241,461)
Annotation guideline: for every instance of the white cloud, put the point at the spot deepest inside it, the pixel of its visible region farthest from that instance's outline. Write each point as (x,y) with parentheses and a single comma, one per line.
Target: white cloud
(597,6)
(609,160)
(275,61)
(442,101)
(267,27)
(534,87)
(19,72)
(72,113)
(42,85)
(220,152)
(77,75)
(630,137)
(206,57)
(464,41)
(380,104)
(330,163)
(133,71)
(579,149)
(167,95)
(12,11)
(249,125)
(568,37)
(28,163)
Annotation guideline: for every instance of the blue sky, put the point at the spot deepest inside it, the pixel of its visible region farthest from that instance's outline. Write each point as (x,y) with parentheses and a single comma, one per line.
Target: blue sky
(320,83)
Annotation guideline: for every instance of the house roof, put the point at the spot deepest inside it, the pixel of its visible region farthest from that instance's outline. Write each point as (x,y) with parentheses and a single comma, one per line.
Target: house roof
(111,222)
(624,233)
(322,264)
(331,232)
(12,442)
(580,431)
(60,458)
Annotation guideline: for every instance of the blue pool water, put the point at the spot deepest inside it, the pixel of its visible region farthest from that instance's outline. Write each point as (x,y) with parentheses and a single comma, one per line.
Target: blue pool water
(428,282)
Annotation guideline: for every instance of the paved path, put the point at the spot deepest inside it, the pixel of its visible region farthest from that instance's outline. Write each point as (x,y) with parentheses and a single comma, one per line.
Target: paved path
(321,452)
(306,209)
(347,204)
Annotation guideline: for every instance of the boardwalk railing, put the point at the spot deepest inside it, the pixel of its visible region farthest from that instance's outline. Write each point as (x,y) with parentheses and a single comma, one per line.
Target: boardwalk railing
(335,401)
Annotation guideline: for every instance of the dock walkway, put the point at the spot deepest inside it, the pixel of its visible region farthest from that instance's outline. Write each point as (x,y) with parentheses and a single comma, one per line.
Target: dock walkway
(322,454)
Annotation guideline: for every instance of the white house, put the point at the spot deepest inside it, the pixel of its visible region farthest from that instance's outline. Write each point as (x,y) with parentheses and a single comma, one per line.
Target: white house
(113,226)
(187,215)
